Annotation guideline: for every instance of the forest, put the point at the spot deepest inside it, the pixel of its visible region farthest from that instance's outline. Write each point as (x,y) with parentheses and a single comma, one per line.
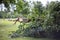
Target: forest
(38,22)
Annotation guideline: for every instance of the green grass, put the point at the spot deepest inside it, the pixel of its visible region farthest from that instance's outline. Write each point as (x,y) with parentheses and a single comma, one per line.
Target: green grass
(6,28)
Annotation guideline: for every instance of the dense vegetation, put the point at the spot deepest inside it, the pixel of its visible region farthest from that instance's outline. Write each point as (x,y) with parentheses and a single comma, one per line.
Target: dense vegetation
(44,22)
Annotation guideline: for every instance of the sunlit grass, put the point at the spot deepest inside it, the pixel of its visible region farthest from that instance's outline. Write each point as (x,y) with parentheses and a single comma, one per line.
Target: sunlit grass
(6,28)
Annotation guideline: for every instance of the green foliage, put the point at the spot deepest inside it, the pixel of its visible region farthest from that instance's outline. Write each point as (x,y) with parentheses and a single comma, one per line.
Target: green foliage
(3,14)
(7,2)
(48,18)
(45,17)
(22,7)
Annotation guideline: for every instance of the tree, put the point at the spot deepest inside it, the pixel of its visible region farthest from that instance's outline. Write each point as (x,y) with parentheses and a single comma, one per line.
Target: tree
(22,7)
(51,22)
(7,3)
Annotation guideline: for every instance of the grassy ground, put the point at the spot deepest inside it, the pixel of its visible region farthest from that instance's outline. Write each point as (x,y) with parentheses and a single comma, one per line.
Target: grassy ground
(7,27)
